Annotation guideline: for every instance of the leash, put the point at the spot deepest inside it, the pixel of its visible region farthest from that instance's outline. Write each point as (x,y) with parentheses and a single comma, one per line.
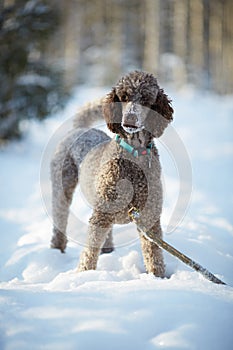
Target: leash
(135,217)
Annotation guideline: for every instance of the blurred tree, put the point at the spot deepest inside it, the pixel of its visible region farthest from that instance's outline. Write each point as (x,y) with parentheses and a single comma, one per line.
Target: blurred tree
(29,87)
(152,33)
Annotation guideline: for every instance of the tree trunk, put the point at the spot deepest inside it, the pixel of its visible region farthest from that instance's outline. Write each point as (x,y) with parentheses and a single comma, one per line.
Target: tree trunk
(152,34)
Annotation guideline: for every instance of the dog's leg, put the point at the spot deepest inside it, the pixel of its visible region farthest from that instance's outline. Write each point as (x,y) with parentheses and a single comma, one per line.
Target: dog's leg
(64,178)
(152,254)
(98,230)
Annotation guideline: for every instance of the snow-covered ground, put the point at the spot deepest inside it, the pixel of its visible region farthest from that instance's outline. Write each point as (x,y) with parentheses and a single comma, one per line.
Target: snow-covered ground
(45,304)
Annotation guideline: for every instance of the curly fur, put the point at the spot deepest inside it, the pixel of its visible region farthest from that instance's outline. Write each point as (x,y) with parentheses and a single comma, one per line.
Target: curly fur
(111,178)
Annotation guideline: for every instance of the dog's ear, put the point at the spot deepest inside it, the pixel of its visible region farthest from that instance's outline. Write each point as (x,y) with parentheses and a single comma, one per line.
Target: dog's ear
(112,112)
(163,106)
(160,114)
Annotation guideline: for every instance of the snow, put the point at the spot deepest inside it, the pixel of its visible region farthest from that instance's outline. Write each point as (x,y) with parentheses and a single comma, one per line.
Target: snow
(46,304)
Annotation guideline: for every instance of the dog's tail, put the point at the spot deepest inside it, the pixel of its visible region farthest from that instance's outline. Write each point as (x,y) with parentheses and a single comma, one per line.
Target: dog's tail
(88,115)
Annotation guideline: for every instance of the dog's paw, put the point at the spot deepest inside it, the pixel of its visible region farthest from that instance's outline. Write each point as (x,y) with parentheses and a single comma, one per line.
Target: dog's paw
(106,250)
(59,241)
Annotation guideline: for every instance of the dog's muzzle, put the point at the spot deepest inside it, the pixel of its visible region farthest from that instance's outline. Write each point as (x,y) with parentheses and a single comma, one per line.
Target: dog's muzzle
(131,128)
(132,118)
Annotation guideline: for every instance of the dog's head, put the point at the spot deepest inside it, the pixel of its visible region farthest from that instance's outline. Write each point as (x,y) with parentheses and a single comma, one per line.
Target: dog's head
(137,103)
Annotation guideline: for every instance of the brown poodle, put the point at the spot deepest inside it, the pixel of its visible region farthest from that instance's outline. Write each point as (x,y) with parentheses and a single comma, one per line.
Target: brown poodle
(115,174)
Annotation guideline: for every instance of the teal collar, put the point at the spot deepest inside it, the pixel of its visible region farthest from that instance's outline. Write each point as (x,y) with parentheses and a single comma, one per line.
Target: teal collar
(136,152)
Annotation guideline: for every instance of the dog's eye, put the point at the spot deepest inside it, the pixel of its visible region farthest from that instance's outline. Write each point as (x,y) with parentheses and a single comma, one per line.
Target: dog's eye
(124,98)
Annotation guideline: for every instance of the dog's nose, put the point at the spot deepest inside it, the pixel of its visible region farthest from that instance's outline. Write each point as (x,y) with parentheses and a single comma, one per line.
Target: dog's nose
(131,118)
